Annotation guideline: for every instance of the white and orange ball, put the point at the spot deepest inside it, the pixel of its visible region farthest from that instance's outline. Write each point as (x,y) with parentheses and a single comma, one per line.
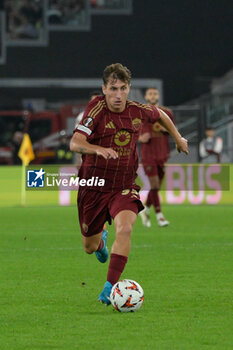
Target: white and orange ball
(127,296)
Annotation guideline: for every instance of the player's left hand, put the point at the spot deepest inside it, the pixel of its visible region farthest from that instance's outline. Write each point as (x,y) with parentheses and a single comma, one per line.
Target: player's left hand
(182,145)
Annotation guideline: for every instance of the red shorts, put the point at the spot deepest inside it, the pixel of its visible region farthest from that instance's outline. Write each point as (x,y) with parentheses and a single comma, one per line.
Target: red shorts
(154,169)
(95,207)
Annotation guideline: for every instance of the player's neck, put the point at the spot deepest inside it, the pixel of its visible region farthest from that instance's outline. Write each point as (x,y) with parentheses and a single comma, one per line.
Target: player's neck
(116,110)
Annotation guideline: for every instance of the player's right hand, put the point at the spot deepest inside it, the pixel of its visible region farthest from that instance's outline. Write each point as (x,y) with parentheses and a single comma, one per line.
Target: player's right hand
(182,145)
(107,153)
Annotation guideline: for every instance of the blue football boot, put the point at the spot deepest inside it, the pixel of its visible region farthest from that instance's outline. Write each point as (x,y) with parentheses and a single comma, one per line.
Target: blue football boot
(105,294)
(102,255)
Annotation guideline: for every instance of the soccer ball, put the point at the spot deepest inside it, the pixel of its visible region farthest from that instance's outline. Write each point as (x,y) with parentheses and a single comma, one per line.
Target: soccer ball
(127,295)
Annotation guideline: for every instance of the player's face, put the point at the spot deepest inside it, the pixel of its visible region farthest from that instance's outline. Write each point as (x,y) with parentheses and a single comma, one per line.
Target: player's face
(116,93)
(152,96)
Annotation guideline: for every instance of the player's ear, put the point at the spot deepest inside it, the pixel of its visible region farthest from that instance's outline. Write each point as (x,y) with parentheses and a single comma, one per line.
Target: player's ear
(104,89)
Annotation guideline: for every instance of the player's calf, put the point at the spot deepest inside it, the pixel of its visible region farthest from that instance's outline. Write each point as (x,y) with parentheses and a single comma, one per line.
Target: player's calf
(121,244)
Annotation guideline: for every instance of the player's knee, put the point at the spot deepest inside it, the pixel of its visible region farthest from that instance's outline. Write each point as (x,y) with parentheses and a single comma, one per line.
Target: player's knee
(155,187)
(154,183)
(90,248)
(124,230)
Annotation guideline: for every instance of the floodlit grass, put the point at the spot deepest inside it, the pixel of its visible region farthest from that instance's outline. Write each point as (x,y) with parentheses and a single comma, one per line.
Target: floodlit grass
(49,286)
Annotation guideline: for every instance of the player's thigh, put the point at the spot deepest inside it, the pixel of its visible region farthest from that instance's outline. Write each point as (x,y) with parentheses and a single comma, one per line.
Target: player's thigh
(124,207)
(127,199)
(93,212)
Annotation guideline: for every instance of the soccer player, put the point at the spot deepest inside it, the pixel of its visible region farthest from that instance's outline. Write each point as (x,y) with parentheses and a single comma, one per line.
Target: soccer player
(154,153)
(107,137)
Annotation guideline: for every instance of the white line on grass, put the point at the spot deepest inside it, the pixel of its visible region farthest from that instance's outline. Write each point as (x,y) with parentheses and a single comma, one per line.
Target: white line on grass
(64,248)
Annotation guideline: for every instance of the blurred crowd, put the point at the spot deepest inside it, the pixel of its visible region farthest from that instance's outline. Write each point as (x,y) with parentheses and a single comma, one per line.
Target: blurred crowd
(107,4)
(24,18)
(65,12)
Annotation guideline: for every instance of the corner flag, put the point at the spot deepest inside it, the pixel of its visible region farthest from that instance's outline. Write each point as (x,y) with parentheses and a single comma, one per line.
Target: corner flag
(26,153)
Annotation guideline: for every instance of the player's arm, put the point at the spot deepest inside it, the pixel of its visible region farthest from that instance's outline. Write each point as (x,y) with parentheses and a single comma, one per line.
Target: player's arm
(171,116)
(181,143)
(79,144)
(145,134)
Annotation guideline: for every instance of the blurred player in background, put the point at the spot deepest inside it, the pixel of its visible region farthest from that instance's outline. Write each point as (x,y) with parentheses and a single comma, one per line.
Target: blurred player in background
(92,95)
(154,153)
(63,152)
(107,137)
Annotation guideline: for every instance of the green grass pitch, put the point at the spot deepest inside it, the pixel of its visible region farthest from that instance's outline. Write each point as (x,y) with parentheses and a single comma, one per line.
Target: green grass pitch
(49,286)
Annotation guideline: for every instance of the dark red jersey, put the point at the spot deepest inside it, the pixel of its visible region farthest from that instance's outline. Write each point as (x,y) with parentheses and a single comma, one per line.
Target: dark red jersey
(157,149)
(119,131)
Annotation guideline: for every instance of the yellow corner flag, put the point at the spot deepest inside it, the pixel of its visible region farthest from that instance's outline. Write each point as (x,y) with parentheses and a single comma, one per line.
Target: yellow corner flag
(26,153)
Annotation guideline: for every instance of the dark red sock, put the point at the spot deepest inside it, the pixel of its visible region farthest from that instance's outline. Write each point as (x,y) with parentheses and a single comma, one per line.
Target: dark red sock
(155,200)
(148,201)
(116,267)
(100,245)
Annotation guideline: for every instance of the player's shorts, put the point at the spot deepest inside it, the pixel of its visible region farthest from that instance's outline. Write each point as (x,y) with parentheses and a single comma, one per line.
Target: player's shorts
(95,208)
(155,169)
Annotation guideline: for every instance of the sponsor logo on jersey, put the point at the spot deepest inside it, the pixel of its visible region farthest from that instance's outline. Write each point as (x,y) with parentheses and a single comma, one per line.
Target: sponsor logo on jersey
(122,138)
(156,127)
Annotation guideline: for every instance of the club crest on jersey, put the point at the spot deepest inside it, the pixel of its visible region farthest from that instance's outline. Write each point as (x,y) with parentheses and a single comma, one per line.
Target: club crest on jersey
(88,121)
(122,138)
(85,227)
(156,127)
(136,123)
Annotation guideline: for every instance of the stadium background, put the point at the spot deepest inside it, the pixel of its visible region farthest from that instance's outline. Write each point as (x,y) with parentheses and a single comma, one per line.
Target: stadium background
(184,47)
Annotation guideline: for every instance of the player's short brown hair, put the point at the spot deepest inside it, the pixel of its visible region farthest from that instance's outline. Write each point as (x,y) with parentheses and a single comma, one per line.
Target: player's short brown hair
(116,71)
(151,87)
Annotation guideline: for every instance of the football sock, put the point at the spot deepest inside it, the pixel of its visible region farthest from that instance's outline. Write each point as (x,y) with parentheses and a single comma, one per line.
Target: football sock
(116,267)
(148,201)
(154,196)
(100,245)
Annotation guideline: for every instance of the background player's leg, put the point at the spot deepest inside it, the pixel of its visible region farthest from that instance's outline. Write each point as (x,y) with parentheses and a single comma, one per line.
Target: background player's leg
(154,195)
(152,199)
(155,182)
(145,184)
